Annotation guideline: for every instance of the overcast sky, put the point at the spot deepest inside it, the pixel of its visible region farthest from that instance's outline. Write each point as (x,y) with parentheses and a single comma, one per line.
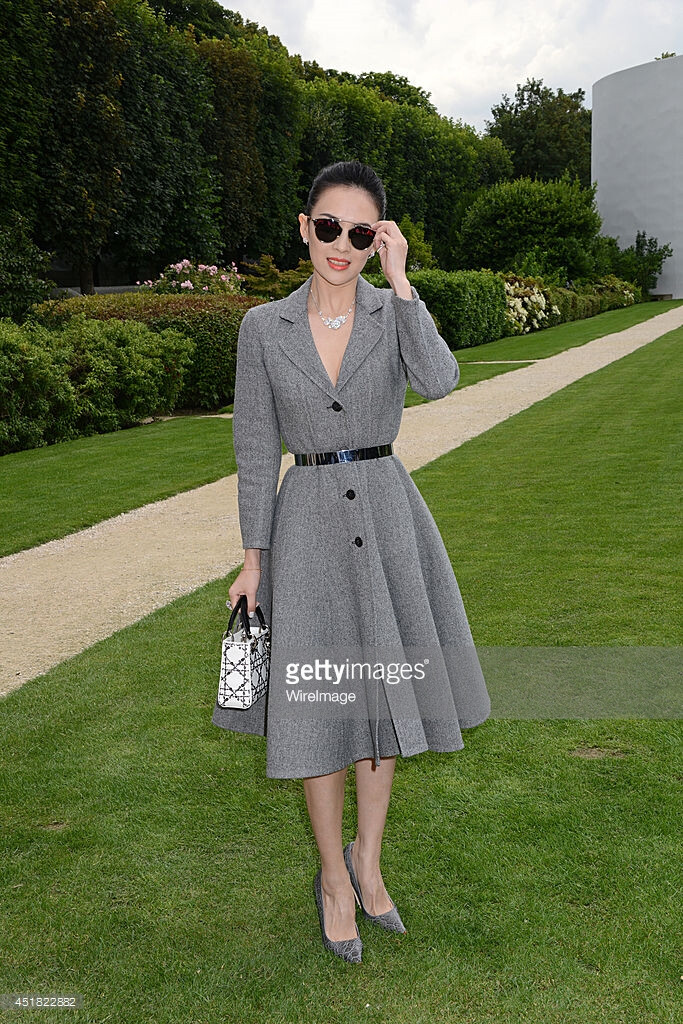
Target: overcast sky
(467,54)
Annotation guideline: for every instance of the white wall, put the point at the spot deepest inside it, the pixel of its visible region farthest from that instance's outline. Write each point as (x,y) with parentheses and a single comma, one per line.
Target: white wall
(637,159)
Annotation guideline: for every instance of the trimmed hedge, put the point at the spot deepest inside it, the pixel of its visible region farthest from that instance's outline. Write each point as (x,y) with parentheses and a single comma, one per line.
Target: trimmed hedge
(468,305)
(211,322)
(84,378)
(99,362)
(587,300)
(534,305)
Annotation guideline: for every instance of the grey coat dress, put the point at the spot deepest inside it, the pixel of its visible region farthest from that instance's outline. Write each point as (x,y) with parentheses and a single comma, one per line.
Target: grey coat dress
(354,570)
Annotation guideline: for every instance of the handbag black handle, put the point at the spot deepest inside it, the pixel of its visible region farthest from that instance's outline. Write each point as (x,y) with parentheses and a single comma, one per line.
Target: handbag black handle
(241,606)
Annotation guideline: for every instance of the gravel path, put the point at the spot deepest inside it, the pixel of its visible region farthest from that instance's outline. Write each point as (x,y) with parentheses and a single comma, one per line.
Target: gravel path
(63,596)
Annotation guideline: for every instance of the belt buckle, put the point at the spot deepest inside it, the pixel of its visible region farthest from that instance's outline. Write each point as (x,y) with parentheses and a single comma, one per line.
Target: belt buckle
(346,455)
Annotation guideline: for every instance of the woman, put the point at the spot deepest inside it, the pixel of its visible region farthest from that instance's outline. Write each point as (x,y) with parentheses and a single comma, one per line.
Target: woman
(345,559)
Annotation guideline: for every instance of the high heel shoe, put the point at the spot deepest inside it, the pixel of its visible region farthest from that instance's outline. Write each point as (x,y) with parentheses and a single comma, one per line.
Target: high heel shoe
(348,949)
(390,920)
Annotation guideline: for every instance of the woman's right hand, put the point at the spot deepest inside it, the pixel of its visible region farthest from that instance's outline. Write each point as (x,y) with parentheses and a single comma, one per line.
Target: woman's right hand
(246,583)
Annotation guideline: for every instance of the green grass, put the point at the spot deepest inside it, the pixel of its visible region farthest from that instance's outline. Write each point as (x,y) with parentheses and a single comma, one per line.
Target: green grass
(49,492)
(583,488)
(46,493)
(148,864)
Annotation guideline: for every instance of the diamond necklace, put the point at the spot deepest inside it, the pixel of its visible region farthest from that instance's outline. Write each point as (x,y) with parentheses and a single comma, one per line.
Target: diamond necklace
(334,323)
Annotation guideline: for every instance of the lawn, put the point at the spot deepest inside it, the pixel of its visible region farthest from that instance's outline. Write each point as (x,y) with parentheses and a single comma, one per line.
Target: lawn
(149,865)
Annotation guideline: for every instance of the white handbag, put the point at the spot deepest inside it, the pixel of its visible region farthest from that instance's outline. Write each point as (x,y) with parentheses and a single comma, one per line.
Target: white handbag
(245,660)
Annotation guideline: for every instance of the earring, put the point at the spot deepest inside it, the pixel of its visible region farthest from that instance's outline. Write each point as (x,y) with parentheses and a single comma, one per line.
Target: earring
(305,241)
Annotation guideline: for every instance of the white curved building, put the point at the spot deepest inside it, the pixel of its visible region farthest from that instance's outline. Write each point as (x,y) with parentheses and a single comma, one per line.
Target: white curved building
(637,159)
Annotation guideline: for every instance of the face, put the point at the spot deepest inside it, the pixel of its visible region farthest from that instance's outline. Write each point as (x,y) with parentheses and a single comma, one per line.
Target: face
(339,262)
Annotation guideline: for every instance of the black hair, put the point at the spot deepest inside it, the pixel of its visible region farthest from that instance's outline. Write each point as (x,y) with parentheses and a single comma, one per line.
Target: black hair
(351,173)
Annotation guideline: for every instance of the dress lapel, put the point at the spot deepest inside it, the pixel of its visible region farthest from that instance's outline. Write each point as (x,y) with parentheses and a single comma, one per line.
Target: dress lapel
(296,339)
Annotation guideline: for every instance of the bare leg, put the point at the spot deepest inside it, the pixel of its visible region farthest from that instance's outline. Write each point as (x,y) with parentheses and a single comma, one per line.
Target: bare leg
(325,802)
(373,789)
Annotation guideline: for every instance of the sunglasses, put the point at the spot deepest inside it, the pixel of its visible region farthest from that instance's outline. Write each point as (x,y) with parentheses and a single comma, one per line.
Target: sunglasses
(327,229)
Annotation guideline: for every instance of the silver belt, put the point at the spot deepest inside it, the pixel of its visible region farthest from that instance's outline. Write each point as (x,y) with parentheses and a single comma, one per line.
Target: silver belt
(343,455)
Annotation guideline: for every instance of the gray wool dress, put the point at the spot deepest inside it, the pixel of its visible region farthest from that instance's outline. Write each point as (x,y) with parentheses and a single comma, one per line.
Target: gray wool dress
(371,651)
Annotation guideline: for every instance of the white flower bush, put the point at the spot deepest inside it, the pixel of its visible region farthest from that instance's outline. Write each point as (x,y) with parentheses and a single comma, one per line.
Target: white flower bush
(528,308)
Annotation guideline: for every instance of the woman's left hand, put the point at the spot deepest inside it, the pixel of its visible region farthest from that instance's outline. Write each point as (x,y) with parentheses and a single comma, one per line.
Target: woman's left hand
(392,248)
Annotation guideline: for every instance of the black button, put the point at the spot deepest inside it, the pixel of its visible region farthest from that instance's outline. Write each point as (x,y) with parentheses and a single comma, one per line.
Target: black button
(358,541)
(350,493)
(336,406)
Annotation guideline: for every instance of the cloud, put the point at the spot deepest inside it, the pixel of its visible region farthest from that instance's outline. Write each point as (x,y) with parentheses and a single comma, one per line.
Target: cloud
(468,54)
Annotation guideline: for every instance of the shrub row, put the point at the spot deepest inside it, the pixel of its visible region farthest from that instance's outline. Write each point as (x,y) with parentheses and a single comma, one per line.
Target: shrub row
(533,305)
(95,363)
(210,322)
(86,378)
(468,305)
(472,307)
(586,300)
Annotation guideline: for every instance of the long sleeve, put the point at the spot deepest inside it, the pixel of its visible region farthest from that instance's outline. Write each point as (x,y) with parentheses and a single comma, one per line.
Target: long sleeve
(256,438)
(432,368)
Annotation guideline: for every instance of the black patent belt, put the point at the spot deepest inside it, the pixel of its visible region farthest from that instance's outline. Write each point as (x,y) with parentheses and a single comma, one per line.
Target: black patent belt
(343,455)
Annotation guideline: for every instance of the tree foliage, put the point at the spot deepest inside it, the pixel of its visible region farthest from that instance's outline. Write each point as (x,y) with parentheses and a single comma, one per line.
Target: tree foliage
(83,141)
(279,128)
(546,132)
(208,17)
(23,108)
(173,129)
(420,255)
(396,88)
(231,136)
(170,191)
(640,263)
(557,218)
(24,269)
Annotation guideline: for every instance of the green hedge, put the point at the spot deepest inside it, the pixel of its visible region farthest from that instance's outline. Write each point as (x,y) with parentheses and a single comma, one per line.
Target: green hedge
(468,305)
(587,300)
(210,322)
(24,269)
(512,218)
(99,362)
(85,378)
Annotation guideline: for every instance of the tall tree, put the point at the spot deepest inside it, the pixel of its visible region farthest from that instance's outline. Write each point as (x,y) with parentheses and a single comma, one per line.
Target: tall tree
(546,132)
(230,135)
(208,17)
(170,187)
(84,143)
(397,88)
(25,60)
(279,127)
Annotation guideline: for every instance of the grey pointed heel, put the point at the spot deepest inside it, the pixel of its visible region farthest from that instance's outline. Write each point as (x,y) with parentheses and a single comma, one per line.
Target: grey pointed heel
(348,949)
(390,920)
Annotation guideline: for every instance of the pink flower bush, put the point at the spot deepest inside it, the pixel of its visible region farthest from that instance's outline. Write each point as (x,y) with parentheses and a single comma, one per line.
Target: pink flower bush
(184,276)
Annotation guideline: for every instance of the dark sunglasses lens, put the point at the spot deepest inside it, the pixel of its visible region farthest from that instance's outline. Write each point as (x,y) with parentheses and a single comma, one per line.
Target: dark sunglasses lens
(327,230)
(361,238)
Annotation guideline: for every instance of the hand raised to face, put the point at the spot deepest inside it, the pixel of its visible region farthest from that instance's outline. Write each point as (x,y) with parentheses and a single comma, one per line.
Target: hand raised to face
(392,247)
